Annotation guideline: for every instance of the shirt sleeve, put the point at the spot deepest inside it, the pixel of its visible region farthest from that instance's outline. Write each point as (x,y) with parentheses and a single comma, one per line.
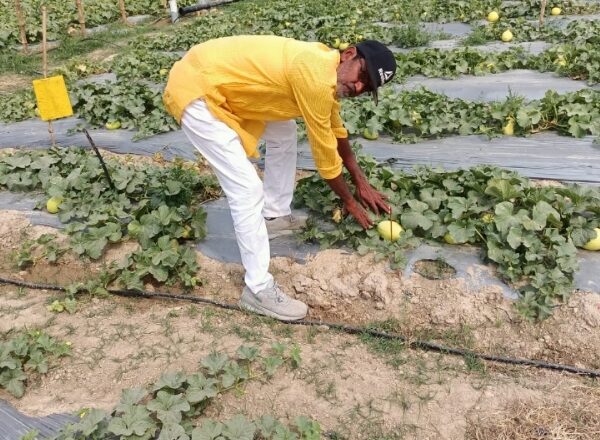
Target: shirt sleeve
(315,96)
(337,124)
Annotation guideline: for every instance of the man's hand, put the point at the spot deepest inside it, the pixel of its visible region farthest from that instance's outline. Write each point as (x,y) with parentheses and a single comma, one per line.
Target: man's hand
(370,198)
(359,214)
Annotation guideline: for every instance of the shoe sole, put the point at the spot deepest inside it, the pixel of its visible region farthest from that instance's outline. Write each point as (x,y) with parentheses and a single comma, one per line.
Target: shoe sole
(282,233)
(266,312)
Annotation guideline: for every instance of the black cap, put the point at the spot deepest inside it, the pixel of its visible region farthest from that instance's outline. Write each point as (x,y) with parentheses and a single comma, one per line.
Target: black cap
(381,63)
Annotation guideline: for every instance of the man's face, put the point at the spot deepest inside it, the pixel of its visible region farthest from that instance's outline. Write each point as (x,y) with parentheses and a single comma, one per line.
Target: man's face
(352,75)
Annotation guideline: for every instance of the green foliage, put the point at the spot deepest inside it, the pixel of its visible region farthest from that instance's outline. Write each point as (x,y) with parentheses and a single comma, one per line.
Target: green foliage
(17,106)
(157,206)
(132,103)
(24,353)
(413,115)
(62,15)
(574,61)
(143,64)
(523,29)
(175,407)
(461,61)
(531,235)
(43,247)
(407,115)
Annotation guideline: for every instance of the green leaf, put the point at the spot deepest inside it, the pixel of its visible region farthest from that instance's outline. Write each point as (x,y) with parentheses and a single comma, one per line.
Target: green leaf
(134,421)
(515,237)
(90,422)
(503,216)
(543,213)
(309,429)
(215,362)
(131,396)
(460,233)
(417,205)
(414,220)
(170,380)
(271,364)
(266,425)
(172,431)
(247,353)
(160,273)
(433,197)
(168,406)
(200,388)
(295,356)
(173,187)
(13,381)
(502,189)
(239,428)
(208,430)
(282,433)
(580,236)
(37,361)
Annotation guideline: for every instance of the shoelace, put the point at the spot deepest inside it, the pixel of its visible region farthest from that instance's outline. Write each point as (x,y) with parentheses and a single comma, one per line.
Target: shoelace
(280,297)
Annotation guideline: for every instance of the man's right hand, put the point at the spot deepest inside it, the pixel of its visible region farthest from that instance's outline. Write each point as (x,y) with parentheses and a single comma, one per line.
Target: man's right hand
(351,205)
(359,214)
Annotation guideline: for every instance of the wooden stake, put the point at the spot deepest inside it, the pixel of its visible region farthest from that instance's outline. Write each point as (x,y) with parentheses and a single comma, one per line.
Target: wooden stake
(21,22)
(81,17)
(44,42)
(123,13)
(45,63)
(542,13)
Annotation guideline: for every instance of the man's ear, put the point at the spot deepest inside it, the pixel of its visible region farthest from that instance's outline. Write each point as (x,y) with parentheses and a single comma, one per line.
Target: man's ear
(348,54)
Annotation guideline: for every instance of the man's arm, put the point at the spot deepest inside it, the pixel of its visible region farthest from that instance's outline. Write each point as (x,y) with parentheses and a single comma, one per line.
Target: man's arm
(365,193)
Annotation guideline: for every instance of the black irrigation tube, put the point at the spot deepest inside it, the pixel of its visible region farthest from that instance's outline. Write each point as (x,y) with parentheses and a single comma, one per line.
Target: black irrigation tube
(353,330)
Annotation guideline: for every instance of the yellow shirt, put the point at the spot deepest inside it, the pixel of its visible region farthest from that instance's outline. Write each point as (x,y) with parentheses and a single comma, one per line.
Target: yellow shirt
(247,81)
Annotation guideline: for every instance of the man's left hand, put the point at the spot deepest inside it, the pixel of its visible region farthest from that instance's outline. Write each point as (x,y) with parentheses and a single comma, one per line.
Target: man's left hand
(370,198)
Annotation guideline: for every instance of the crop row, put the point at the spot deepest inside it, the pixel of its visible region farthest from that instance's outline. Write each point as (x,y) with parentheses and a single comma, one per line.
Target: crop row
(300,14)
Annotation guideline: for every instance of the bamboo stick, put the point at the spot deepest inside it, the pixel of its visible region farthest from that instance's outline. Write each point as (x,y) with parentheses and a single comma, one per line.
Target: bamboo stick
(45,63)
(81,14)
(542,13)
(123,13)
(21,21)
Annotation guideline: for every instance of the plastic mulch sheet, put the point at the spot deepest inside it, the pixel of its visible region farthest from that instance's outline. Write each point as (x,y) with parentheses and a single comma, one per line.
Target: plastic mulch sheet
(540,156)
(14,425)
(529,84)
(220,244)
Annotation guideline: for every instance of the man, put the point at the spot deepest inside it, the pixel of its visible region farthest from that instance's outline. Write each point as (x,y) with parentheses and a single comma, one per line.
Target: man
(230,92)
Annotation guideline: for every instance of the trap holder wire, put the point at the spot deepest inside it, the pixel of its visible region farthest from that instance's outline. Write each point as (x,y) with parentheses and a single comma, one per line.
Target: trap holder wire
(104,167)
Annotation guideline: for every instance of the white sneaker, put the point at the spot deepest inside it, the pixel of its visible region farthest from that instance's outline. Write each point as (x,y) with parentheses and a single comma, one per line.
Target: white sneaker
(273,302)
(285,225)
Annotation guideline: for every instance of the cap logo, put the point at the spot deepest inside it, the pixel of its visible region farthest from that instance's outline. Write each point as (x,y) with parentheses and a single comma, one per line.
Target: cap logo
(384,76)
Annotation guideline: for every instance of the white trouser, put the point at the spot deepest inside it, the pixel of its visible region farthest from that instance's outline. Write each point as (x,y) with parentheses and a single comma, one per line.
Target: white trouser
(249,199)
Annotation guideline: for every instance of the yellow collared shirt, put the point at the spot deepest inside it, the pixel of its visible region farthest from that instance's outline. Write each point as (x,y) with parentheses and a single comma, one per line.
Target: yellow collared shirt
(247,81)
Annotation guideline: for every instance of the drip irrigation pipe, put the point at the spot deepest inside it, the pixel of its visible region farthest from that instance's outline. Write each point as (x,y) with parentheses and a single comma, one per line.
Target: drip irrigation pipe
(345,328)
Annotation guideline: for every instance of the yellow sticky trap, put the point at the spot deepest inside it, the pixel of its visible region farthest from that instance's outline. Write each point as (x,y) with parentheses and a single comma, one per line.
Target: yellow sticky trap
(52,98)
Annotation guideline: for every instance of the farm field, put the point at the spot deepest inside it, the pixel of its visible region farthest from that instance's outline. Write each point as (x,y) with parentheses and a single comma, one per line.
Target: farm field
(479,320)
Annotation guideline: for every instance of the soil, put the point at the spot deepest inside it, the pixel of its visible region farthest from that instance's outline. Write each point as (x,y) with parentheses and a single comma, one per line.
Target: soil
(10,82)
(355,387)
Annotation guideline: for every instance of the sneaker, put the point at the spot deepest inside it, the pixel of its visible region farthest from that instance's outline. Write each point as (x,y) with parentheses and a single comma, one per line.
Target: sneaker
(285,225)
(272,302)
